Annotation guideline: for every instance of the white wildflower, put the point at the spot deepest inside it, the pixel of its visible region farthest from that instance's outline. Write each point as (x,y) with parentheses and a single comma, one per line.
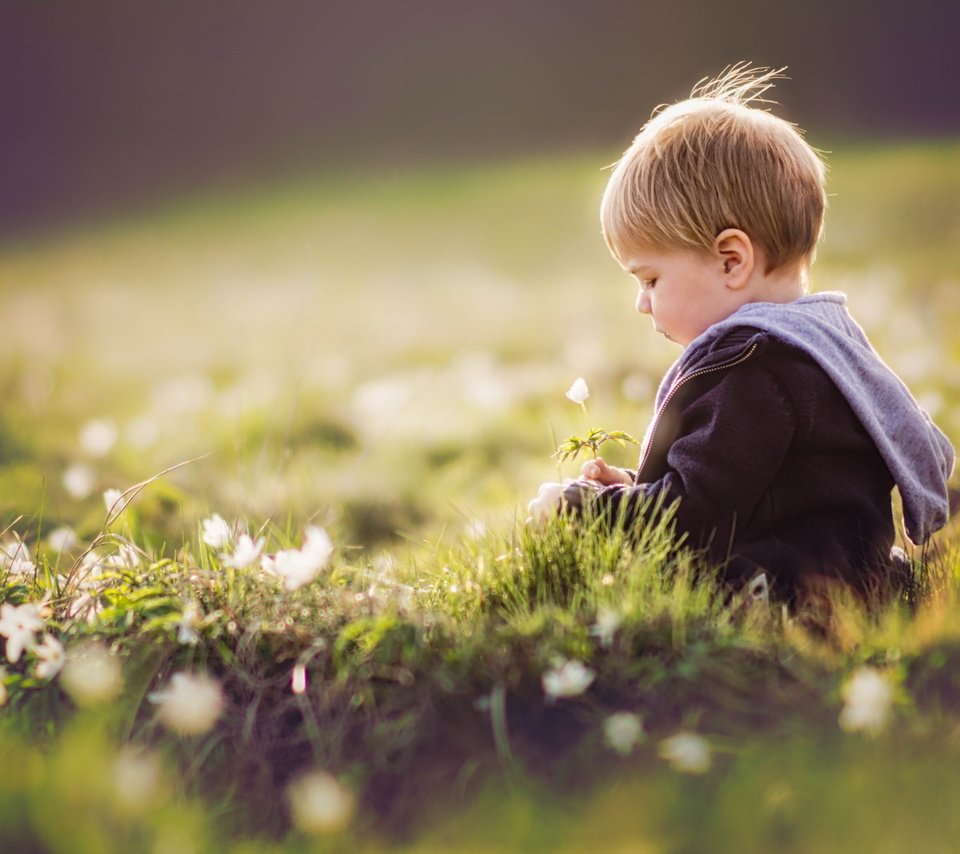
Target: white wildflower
(245,553)
(298,679)
(91,674)
(190,704)
(623,731)
(868,698)
(578,392)
(98,436)
(113,501)
(608,621)
(687,752)
(187,626)
(546,504)
(319,804)
(137,779)
(15,558)
(567,679)
(217,532)
(52,657)
(63,538)
(18,624)
(78,481)
(299,566)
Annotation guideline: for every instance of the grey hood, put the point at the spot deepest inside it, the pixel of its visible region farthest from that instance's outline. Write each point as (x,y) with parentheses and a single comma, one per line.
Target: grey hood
(918,454)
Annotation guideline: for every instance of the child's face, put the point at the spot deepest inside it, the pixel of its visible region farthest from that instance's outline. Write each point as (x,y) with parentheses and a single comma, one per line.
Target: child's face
(683,291)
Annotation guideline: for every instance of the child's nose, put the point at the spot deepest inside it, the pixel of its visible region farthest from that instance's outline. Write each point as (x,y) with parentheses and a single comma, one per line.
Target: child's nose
(643,301)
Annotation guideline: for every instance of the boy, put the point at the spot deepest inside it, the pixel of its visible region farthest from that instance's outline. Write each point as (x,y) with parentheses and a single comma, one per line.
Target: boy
(779,433)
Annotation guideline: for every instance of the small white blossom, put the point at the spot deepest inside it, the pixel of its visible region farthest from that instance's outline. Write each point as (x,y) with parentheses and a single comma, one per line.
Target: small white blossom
(608,621)
(578,392)
(623,731)
(687,752)
(217,532)
(52,657)
(78,481)
(546,504)
(319,804)
(97,437)
(15,558)
(245,553)
(298,679)
(137,779)
(113,501)
(190,704)
(187,626)
(299,566)
(62,538)
(868,698)
(567,679)
(91,674)
(18,624)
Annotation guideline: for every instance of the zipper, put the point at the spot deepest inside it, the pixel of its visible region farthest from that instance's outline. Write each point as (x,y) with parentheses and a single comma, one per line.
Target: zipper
(676,387)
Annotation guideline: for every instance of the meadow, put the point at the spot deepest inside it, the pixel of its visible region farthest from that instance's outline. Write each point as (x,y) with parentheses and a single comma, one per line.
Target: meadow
(360,377)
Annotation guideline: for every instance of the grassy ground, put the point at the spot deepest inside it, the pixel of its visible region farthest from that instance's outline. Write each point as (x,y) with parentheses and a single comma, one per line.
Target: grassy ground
(385,357)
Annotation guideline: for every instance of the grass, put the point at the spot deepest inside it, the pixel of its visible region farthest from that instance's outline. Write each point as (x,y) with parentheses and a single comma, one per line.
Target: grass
(386,358)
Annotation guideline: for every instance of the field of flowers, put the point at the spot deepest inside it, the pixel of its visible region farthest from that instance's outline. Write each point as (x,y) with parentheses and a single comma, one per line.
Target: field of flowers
(265,575)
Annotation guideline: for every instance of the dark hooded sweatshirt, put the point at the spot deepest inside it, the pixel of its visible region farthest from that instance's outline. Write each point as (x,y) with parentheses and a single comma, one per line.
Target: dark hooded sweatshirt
(779,434)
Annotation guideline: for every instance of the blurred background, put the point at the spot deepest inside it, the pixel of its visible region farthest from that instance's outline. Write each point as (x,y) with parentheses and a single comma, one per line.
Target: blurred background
(348,252)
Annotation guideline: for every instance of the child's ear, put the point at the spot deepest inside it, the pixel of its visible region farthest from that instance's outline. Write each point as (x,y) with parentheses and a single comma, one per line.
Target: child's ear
(735,252)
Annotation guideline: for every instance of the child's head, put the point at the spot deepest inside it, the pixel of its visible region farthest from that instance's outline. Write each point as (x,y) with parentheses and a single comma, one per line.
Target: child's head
(712,162)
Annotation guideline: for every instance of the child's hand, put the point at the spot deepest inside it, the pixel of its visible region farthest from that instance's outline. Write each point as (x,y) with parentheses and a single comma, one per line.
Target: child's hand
(598,471)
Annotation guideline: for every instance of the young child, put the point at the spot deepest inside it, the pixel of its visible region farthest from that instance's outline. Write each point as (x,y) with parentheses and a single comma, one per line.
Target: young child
(779,433)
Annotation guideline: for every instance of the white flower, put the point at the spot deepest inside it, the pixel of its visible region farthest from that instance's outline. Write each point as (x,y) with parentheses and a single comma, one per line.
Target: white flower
(78,481)
(217,533)
(245,553)
(91,674)
(608,621)
(567,679)
(62,538)
(868,698)
(622,731)
(319,803)
(547,502)
(578,392)
(187,631)
(113,501)
(190,704)
(299,566)
(687,752)
(18,623)
(15,558)
(98,436)
(52,657)
(137,778)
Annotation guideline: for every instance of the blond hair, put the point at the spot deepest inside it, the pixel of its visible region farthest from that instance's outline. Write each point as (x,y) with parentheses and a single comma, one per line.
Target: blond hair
(716,161)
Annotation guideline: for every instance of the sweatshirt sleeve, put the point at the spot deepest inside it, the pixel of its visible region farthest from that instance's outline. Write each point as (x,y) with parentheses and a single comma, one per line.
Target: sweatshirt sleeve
(730,440)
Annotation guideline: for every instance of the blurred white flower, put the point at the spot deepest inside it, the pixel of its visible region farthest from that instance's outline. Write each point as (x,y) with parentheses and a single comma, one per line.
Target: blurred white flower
(15,558)
(319,804)
(18,623)
(245,553)
(137,778)
(546,504)
(98,436)
(623,731)
(91,674)
(567,679)
(190,704)
(187,626)
(62,538)
(608,621)
(687,752)
(113,501)
(578,392)
(298,679)
(868,699)
(52,657)
(299,566)
(78,481)
(217,532)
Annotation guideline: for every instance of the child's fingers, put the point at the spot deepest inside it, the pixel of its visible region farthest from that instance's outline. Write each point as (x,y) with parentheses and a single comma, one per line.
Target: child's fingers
(593,469)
